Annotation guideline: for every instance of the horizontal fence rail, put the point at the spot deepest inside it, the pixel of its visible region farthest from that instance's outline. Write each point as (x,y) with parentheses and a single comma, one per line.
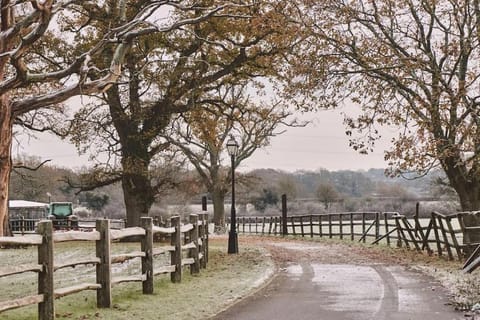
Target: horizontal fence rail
(188,246)
(473,262)
(440,234)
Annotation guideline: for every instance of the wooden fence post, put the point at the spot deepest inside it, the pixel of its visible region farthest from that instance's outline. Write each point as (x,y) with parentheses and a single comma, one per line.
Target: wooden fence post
(207,235)
(22,226)
(340,225)
(364,227)
(352,228)
(284,215)
(104,268)
(435,231)
(409,228)
(320,225)
(176,256)
(46,309)
(301,227)
(401,233)
(202,234)
(387,231)
(193,253)
(454,238)
(445,238)
(147,260)
(275,225)
(294,227)
(416,218)
(204,203)
(330,226)
(311,226)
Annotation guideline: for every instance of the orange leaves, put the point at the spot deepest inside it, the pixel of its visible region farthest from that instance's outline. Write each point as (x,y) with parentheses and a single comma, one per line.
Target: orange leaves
(406,63)
(207,126)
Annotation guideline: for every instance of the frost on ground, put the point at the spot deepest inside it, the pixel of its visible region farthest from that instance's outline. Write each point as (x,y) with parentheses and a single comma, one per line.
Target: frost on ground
(464,288)
(227,279)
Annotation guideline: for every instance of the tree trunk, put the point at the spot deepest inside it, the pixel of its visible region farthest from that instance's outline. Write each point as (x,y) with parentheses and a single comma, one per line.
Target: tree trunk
(218,199)
(6,130)
(137,189)
(468,191)
(138,192)
(469,201)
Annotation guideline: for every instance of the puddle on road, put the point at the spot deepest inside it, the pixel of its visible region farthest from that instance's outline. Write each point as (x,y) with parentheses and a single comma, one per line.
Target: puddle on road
(294,270)
(349,288)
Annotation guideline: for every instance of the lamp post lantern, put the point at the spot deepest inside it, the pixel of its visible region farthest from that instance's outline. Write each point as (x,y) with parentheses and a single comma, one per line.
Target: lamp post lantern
(232,148)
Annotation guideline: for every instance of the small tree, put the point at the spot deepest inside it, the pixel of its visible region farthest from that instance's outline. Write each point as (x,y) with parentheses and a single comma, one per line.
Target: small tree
(201,135)
(287,185)
(327,193)
(95,201)
(268,197)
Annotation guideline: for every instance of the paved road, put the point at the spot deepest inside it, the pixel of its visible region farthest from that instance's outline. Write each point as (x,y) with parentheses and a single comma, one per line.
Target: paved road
(341,291)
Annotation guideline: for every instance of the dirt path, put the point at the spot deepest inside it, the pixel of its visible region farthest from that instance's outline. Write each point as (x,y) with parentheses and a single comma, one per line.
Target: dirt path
(334,281)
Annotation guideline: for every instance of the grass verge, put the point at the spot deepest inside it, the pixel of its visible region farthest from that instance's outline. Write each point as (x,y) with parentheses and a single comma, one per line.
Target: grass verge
(226,279)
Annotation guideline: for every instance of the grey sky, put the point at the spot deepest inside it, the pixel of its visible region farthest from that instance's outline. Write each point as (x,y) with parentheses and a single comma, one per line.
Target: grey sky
(323,144)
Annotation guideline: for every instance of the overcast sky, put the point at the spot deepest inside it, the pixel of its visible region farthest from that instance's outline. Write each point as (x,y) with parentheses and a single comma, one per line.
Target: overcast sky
(323,144)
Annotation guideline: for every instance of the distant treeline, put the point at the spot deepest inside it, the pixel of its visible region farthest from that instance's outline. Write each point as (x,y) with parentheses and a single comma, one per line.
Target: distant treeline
(341,190)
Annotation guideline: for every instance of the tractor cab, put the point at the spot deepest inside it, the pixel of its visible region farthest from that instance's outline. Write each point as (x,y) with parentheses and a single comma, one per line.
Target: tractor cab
(61,213)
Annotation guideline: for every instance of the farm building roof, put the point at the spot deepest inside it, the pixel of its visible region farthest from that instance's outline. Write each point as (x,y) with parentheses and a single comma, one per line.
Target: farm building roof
(12,204)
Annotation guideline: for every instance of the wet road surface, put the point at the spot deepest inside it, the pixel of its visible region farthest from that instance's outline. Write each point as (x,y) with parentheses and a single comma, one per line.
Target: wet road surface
(319,291)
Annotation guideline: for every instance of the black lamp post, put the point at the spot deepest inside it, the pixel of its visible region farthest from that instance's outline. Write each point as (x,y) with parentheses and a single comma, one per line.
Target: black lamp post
(232,148)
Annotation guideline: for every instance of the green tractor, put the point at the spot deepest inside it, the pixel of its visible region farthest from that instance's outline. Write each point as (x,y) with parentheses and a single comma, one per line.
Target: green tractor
(61,214)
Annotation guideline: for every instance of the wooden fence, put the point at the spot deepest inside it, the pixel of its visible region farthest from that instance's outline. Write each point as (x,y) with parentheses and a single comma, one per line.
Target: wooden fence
(188,246)
(21,225)
(440,234)
(473,262)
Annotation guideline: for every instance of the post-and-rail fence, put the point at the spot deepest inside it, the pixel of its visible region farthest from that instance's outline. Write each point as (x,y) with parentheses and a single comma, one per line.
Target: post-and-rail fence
(437,236)
(441,234)
(22,225)
(188,246)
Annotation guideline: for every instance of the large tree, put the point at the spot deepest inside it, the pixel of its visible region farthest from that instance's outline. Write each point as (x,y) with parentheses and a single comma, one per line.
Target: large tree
(31,77)
(41,64)
(168,74)
(202,134)
(412,64)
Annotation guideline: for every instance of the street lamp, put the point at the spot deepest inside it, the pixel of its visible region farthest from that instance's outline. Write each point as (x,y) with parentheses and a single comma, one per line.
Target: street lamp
(232,148)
